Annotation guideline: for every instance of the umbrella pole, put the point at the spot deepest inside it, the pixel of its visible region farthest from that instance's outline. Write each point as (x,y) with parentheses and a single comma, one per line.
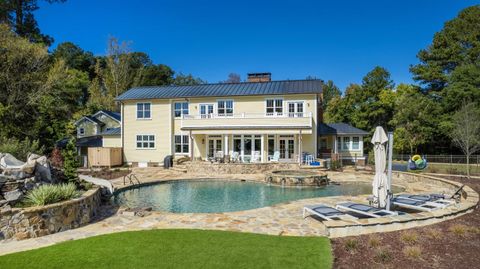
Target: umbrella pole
(389,171)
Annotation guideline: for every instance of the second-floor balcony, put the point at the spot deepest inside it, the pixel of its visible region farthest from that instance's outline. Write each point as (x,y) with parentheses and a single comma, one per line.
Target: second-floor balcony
(300,120)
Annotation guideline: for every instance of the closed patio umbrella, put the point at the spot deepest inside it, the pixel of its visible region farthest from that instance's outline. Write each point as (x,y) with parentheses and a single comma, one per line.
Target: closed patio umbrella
(380,179)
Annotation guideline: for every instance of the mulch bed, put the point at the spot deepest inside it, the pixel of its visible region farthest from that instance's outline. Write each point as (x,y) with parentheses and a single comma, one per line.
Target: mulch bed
(450,244)
(107,173)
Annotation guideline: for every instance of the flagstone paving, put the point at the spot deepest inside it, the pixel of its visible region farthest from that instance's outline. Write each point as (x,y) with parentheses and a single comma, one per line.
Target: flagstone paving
(282,219)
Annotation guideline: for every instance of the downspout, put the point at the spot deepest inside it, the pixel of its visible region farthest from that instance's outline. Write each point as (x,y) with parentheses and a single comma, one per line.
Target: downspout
(122,126)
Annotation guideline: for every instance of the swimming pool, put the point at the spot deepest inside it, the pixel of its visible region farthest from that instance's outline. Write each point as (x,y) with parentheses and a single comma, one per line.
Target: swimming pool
(213,196)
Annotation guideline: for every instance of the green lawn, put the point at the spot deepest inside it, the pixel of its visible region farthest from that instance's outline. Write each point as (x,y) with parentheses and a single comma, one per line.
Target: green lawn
(178,249)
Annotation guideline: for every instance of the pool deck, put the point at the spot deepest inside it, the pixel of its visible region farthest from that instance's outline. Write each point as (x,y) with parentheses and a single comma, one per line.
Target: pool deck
(282,219)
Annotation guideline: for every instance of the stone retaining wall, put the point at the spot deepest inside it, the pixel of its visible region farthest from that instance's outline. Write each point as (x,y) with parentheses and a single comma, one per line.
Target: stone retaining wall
(237,168)
(23,223)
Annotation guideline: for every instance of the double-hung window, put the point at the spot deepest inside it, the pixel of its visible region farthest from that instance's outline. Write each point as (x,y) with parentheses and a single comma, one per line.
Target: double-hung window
(180,109)
(144,110)
(274,107)
(145,141)
(81,131)
(182,144)
(355,142)
(346,143)
(225,108)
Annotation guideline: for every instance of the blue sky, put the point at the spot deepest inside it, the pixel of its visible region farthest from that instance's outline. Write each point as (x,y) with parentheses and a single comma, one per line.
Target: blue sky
(337,40)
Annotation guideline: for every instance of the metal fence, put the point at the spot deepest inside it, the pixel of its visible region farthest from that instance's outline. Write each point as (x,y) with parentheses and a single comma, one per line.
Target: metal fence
(444,164)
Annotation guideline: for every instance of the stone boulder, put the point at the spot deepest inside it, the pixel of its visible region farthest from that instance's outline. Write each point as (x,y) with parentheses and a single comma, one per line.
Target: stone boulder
(42,168)
(13,196)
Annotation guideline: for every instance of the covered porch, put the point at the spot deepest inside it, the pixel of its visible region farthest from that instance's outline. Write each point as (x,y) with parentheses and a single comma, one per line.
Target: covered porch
(250,146)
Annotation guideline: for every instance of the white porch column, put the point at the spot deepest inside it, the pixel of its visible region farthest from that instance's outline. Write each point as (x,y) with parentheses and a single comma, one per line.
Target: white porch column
(262,147)
(226,144)
(335,146)
(300,150)
(191,146)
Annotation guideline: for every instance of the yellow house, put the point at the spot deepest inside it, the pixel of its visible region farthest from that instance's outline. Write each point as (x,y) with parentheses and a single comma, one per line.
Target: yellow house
(101,129)
(255,121)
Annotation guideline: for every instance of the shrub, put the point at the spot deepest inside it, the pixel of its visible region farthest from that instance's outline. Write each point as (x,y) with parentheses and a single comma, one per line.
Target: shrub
(56,158)
(20,148)
(351,244)
(383,256)
(49,194)
(434,233)
(373,241)
(412,252)
(409,237)
(70,162)
(459,229)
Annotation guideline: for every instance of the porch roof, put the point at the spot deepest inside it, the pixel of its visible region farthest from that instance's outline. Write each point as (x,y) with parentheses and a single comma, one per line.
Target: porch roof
(253,131)
(339,129)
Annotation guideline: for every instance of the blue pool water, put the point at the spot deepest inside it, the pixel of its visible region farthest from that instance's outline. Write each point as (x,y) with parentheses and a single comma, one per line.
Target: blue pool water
(210,196)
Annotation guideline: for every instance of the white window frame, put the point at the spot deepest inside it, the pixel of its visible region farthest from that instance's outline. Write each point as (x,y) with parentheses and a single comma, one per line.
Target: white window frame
(181,144)
(207,116)
(216,108)
(143,112)
(350,143)
(181,109)
(304,113)
(148,141)
(274,114)
(81,131)
(358,143)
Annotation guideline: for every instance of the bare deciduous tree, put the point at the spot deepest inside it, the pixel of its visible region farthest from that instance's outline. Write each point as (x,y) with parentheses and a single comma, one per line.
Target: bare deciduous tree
(118,64)
(233,78)
(466,131)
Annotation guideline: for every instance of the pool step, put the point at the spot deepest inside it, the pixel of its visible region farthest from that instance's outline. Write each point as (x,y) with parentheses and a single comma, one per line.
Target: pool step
(179,168)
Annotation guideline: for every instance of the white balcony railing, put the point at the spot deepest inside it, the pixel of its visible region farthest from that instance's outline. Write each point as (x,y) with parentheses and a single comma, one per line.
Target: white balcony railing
(249,116)
(258,120)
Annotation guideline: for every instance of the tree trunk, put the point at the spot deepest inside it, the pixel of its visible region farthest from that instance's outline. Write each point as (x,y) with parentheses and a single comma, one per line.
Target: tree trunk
(19,17)
(468,165)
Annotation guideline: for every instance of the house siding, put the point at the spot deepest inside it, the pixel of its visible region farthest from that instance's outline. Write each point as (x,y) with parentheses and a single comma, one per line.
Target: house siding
(159,125)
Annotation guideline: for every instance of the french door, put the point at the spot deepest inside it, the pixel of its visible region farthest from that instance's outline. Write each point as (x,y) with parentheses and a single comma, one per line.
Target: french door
(286,147)
(214,145)
(206,111)
(295,109)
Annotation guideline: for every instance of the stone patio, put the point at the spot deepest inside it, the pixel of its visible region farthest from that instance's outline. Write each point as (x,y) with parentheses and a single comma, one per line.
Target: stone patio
(282,219)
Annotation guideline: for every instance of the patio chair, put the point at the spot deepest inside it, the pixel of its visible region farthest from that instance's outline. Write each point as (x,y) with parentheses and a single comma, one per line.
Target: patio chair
(235,157)
(325,212)
(417,205)
(275,157)
(256,157)
(365,210)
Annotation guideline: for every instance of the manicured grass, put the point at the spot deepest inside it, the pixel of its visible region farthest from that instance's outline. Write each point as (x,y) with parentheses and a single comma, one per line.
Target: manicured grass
(178,249)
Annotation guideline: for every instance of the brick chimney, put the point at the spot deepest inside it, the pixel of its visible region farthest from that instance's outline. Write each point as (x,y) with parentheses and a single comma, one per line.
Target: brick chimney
(259,77)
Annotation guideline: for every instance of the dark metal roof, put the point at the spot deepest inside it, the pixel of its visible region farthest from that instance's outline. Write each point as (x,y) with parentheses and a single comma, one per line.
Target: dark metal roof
(339,129)
(94,120)
(112,131)
(90,141)
(112,114)
(224,89)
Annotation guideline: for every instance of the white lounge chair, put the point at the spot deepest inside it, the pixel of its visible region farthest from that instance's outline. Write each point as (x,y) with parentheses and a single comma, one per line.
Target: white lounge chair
(416,204)
(275,157)
(435,198)
(325,212)
(235,157)
(365,210)
(256,157)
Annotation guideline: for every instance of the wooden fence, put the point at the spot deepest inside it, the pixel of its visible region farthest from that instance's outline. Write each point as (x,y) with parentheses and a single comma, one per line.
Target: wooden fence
(105,157)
